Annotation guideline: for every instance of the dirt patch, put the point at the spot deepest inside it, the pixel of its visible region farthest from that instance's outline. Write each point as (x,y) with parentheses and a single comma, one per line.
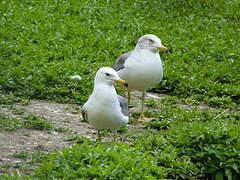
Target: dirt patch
(66,116)
(62,115)
(27,140)
(136,101)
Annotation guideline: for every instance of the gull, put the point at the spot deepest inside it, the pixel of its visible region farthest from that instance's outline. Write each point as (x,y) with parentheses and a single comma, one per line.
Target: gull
(105,109)
(142,68)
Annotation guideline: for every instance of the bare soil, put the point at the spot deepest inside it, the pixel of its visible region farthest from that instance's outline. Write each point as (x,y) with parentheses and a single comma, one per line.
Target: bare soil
(66,116)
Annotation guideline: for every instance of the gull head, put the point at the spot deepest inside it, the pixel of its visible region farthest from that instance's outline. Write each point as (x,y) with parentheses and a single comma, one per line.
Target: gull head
(151,42)
(108,76)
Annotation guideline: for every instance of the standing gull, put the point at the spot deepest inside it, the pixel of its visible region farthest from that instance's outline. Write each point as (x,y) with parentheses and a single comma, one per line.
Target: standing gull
(104,108)
(142,68)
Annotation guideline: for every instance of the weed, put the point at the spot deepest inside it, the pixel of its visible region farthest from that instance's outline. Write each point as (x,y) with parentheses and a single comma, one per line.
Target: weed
(8,98)
(21,170)
(61,129)
(100,161)
(21,155)
(30,121)
(18,111)
(225,102)
(151,103)
(40,53)
(37,123)
(75,139)
(209,139)
(9,124)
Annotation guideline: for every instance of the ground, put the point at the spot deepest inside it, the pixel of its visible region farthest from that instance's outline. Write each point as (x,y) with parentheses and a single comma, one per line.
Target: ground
(19,146)
(44,43)
(65,116)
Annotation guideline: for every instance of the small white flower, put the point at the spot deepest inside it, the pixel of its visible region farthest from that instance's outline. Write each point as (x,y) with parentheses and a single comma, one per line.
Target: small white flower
(76,77)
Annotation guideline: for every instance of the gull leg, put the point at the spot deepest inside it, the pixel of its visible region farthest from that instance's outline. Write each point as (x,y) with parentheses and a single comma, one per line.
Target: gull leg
(142,118)
(99,135)
(129,97)
(115,135)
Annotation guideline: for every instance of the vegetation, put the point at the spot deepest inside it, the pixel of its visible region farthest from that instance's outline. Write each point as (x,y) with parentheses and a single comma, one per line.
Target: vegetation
(45,42)
(178,144)
(30,121)
(8,123)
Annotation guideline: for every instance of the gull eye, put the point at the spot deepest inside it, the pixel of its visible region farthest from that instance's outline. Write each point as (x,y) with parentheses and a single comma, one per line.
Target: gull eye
(107,74)
(151,41)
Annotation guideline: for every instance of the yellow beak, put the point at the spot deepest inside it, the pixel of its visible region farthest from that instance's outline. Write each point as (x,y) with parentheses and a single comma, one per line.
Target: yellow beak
(122,82)
(163,49)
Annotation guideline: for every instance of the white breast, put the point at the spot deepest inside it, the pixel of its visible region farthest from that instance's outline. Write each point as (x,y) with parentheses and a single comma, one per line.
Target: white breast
(104,111)
(142,70)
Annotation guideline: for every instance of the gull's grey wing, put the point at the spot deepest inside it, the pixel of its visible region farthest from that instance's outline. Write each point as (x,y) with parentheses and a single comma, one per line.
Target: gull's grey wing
(84,114)
(119,64)
(123,105)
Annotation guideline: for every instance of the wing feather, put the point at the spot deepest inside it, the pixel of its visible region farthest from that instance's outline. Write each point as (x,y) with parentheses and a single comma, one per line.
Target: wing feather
(124,105)
(119,64)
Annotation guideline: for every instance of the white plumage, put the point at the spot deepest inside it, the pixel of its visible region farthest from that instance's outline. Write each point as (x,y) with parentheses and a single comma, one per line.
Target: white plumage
(142,68)
(104,108)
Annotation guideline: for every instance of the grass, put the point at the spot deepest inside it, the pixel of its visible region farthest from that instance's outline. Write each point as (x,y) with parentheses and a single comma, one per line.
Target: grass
(37,123)
(7,99)
(200,147)
(8,123)
(29,161)
(44,42)
(179,144)
(30,122)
